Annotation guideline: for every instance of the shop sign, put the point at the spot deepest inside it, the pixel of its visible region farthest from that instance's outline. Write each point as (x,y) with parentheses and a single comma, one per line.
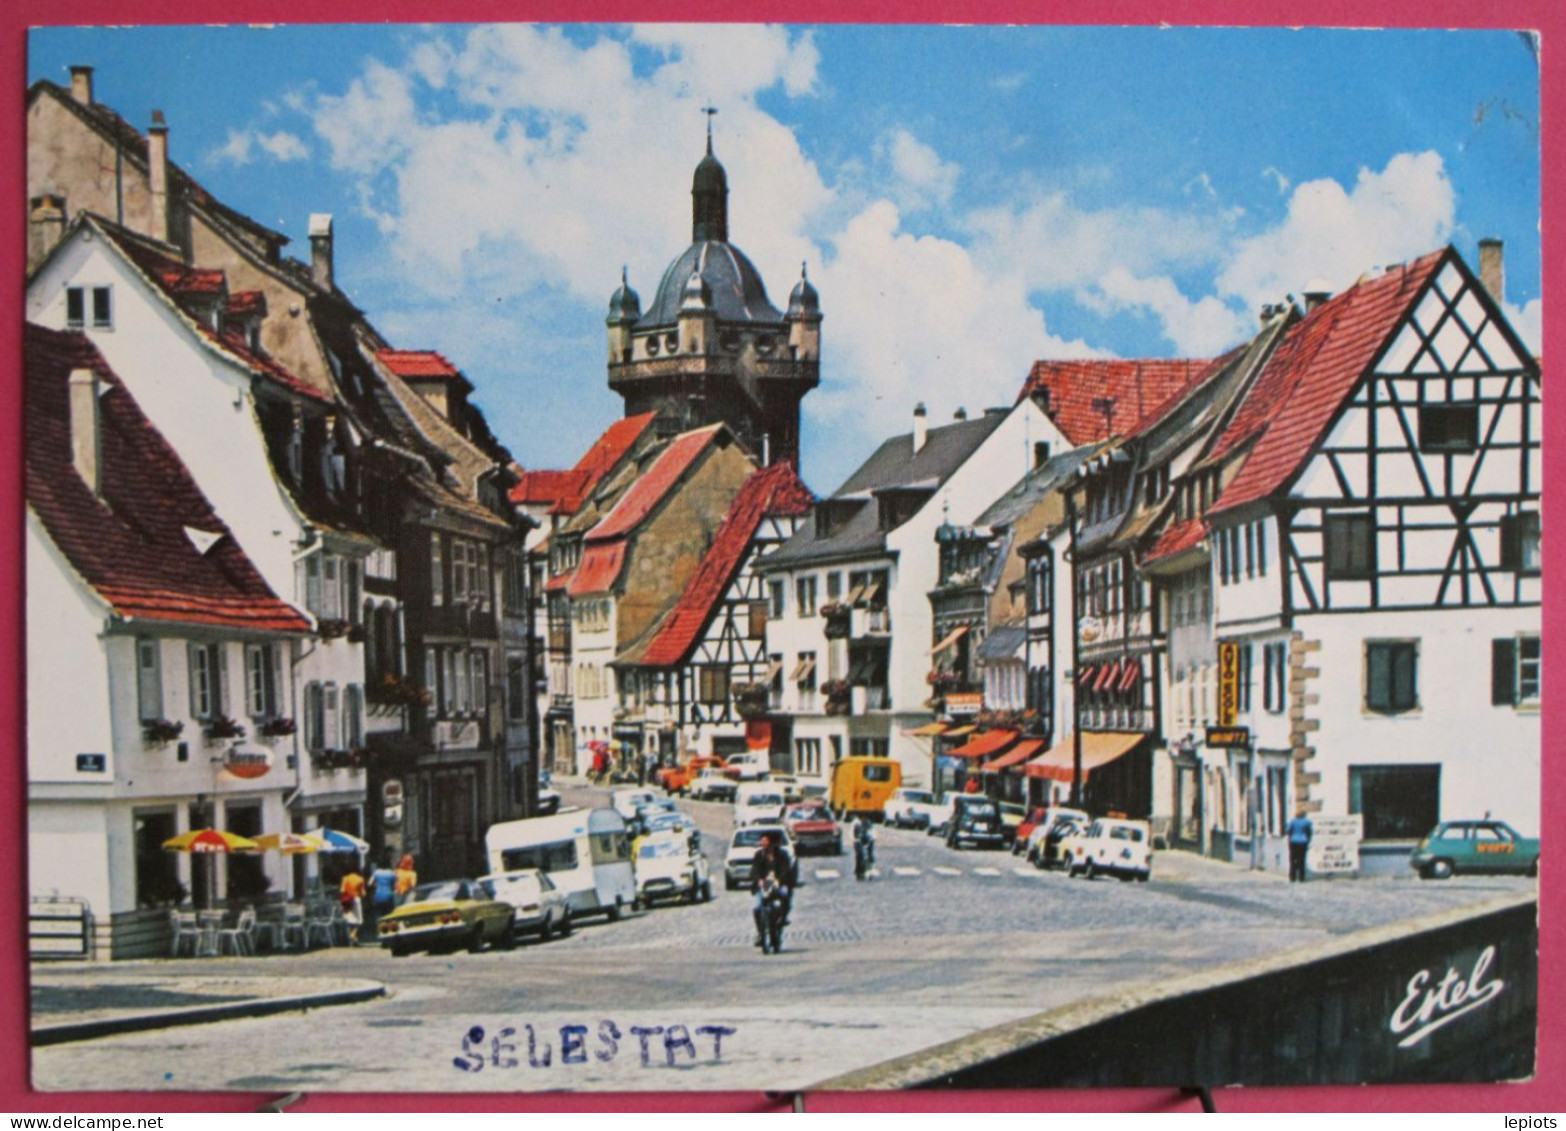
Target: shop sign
(1228,738)
(964,702)
(1089,630)
(1334,844)
(457,735)
(1228,683)
(247,761)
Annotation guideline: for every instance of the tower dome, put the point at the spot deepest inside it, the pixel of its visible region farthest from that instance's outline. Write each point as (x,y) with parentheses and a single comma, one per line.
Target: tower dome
(625,305)
(803,301)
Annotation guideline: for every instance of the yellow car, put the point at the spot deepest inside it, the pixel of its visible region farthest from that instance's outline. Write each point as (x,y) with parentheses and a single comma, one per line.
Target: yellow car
(448,915)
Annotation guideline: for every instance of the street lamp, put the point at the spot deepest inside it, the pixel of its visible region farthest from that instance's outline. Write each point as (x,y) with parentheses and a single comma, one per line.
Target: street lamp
(1076,655)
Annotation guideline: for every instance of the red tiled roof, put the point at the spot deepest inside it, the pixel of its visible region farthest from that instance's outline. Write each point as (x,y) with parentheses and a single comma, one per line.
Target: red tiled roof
(1314,369)
(182,283)
(242,303)
(1208,371)
(1138,388)
(131,544)
(599,570)
(419,365)
(774,490)
(654,484)
(540,487)
(559,582)
(1177,538)
(608,450)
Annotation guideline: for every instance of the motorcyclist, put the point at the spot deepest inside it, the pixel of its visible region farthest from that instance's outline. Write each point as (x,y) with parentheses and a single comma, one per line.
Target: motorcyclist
(772,863)
(864,846)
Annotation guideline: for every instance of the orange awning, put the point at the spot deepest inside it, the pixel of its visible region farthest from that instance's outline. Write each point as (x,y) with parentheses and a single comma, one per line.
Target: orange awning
(958,732)
(1015,756)
(1099,748)
(1133,675)
(927,731)
(949,639)
(985,744)
(1107,676)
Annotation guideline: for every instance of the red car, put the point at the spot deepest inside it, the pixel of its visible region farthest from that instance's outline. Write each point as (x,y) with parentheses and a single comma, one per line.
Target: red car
(1025,830)
(812,829)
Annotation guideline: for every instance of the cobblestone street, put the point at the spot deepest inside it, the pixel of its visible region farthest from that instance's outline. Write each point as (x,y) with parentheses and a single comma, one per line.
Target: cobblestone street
(937,945)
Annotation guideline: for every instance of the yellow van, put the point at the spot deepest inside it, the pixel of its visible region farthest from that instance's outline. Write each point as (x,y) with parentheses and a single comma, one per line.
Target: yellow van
(863,785)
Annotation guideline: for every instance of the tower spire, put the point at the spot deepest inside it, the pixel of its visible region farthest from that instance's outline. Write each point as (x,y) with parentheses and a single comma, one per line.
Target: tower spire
(710,194)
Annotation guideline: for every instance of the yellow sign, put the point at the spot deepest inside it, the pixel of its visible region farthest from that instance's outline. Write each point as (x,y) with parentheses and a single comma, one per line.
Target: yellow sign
(1228,738)
(1228,683)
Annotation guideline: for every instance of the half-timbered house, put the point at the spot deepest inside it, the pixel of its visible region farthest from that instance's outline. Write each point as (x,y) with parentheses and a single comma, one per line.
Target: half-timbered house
(702,678)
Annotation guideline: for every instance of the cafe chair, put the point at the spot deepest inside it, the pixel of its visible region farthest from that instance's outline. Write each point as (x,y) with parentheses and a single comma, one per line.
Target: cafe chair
(184,930)
(240,938)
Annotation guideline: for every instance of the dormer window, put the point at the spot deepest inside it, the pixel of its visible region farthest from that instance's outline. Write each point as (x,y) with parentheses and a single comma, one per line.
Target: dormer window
(76,300)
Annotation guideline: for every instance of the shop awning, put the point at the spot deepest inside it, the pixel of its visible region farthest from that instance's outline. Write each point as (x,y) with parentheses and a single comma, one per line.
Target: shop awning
(1107,677)
(1014,757)
(929,730)
(983,745)
(1132,675)
(949,639)
(1086,675)
(1099,748)
(958,732)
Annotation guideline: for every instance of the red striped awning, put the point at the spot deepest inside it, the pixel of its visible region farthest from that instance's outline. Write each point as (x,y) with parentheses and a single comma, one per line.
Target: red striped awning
(1085,676)
(1132,676)
(983,745)
(1107,677)
(1014,757)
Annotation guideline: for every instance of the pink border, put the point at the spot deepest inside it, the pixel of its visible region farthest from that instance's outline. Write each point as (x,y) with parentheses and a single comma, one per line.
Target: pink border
(1546,1093)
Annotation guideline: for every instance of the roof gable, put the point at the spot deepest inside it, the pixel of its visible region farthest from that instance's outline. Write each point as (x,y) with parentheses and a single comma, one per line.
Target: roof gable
(138,544)
(1305,382)
(605,454)
(655,484)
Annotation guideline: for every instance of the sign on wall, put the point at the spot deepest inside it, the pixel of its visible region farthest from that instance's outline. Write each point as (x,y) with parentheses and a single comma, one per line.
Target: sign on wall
(964,703)
(247,761)
(1228,683)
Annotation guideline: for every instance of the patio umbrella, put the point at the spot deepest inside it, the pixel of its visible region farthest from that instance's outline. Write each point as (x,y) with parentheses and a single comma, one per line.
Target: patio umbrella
(333,840)
(290,844)
(210,840)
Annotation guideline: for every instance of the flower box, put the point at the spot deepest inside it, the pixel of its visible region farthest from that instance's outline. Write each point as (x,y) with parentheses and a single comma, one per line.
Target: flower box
(224,728)
(277,728)
(325,761)
(331,628)
(159,732)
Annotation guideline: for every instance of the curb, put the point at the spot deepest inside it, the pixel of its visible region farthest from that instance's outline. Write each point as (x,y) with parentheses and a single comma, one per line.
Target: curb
(198,1015)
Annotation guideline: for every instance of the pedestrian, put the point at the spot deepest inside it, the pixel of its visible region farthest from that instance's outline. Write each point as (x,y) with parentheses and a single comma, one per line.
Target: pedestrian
(641,769)
(351,892)
(1299,831)
(407,877)
(383,897)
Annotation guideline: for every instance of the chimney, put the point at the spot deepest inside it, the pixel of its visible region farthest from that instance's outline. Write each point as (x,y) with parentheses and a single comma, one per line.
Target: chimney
(1492,268)
(81,85)
(1317,291)
(321,249)
(85,443)
(921,431)
(45,226)
(158,176)
(960,415)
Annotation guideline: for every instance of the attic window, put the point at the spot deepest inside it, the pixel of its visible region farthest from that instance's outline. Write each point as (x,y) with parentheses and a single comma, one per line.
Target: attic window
(76,308)
(1448,427)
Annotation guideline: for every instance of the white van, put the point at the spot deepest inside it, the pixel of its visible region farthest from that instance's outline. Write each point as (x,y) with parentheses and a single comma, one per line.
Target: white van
(758,801)
(587,853)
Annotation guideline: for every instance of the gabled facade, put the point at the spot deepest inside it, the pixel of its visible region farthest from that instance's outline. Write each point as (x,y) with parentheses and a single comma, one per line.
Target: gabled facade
(1373,524)
(852,586)
(160,669)
(702,679)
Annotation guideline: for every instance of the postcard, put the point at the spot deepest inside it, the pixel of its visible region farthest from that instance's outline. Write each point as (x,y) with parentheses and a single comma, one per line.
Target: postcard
(654,557)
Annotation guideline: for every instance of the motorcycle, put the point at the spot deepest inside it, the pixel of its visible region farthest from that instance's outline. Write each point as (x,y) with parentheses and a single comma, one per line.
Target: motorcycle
(769,916)
(864,857)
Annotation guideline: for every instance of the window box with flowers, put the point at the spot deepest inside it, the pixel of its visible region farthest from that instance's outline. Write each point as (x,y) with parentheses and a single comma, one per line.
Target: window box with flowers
(325,761)
(752,700)
(277,728)
(160,732)
(396,691)
(330,628)
(839,618)
(223,727)
(839,696)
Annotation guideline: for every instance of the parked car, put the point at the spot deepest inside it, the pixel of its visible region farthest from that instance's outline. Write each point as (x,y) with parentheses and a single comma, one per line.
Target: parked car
(1474,847)
(941,815)
(538,906)
(1012,816)
(790,785)
(627,801)
(862,784)
(1019,843)
(747,767)
(713,785)
(1043,850)
(446,916)
(812,828)
(548,803)
(912,808)
(1111,846)
(652,808)
(677,779)
(743,846)
(975,820)
(755,802)
(673,823)
(668,866)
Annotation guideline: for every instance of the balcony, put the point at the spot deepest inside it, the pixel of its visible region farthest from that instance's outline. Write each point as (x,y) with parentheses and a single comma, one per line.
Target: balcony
(866,699)
(872,622)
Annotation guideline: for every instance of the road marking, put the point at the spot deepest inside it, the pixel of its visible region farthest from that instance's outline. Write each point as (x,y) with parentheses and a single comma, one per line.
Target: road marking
(986,871)
(946,871)
(828,874)
(1026,872)
(906,872)
(872,873)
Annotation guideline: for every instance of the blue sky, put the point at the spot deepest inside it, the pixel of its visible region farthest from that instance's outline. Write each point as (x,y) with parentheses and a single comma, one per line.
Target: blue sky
(968,199)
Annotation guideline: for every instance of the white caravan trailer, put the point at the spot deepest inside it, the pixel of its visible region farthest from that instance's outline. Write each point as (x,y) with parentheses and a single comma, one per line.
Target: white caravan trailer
(587,852)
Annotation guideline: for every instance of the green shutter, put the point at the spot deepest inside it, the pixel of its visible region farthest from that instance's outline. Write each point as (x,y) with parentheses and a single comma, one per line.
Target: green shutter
(1503,672)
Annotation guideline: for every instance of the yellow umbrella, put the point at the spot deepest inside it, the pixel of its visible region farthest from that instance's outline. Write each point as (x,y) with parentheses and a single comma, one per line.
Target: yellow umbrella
(289,844)
(210,840)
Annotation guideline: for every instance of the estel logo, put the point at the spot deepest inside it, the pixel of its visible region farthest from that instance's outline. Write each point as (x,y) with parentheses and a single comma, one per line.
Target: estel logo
(1430,1007)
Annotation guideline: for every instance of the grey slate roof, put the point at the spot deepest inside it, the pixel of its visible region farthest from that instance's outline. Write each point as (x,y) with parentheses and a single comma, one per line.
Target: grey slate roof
(894,464)
(1026,493)
(738,294)
(1003,643)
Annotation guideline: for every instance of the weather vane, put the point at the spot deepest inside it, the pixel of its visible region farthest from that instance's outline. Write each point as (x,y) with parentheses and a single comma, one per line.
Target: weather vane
(709,111)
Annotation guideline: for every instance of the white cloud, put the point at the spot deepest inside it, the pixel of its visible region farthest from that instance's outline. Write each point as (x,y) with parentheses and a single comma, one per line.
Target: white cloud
(1528,321)
(1201,185)
(1008,84)
(1277,178)
(1204,327)
(1335,234)
(239,147)
(918,177)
